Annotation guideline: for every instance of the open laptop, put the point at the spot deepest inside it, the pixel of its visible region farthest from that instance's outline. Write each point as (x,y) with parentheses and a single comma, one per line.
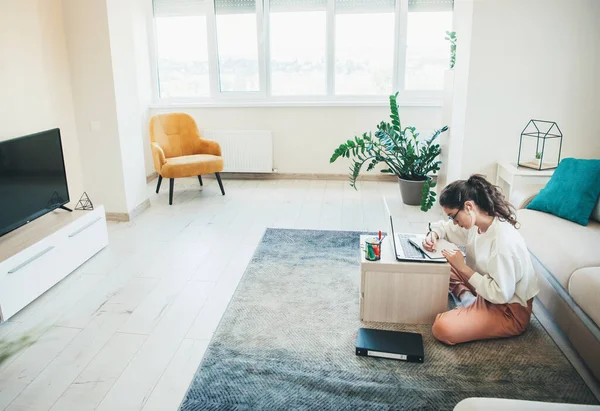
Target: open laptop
(404,249)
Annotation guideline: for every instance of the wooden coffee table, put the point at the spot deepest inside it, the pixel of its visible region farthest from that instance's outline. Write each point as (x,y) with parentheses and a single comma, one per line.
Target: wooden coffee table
(392,291)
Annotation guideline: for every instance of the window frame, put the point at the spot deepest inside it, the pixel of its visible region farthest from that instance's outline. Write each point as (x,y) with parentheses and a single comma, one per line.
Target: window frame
(263,98)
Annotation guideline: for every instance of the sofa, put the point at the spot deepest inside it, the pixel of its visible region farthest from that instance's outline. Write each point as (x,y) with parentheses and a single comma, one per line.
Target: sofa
(566,257)
(502,404)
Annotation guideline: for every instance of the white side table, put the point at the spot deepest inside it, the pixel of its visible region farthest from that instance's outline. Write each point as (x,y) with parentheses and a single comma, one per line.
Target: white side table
(509,176)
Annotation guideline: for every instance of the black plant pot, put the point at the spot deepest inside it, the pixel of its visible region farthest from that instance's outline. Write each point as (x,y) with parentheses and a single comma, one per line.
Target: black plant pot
(411,191)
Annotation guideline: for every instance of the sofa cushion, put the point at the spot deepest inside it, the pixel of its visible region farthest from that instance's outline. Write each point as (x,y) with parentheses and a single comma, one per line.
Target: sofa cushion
(190,166)
(584,288)
(560,245)
(572,191)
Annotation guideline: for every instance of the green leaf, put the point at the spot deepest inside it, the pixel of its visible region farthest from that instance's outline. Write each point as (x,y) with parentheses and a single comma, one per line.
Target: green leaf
(372,165)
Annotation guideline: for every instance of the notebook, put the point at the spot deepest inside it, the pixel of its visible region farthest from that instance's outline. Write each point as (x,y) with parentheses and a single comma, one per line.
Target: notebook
(441,245)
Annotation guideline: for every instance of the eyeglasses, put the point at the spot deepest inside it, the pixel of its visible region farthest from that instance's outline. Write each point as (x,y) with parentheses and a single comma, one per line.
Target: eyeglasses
(453,217)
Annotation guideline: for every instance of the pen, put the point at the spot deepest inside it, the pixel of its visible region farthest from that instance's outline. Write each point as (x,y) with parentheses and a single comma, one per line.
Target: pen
(418,248)
(430,233)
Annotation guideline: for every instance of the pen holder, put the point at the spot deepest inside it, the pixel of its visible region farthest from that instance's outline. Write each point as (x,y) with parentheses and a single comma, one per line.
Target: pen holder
(373,248)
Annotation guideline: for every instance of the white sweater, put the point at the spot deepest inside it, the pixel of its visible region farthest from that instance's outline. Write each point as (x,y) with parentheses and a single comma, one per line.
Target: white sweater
(503,269)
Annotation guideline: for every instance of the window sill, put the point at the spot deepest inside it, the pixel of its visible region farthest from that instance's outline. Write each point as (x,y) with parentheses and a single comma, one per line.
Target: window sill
(172,104)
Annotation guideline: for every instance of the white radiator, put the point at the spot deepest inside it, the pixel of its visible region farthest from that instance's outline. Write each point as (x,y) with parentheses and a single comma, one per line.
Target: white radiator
(248,151)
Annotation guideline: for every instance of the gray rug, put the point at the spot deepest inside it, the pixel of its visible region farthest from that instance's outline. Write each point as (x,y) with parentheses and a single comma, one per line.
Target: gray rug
(287,341)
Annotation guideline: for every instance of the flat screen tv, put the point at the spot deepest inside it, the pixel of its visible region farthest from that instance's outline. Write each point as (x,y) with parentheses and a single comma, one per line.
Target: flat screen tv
(33,181)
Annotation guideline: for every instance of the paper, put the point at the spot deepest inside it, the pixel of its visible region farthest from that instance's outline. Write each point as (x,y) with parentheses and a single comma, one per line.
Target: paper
(441,245)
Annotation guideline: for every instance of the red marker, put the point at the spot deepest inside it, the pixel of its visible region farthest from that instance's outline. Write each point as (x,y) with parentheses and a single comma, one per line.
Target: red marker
(379,235)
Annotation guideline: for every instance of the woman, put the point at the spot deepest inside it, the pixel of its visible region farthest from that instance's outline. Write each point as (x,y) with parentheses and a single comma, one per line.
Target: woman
(497,283)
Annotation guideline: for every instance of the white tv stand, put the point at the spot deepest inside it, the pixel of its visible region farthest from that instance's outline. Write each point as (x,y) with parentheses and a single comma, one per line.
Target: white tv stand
(36,256)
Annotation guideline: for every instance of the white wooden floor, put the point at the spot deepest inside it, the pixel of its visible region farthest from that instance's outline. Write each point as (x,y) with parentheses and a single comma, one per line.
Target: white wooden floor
(128,330)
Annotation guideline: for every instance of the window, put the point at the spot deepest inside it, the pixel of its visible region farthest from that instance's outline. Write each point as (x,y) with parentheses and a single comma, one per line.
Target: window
(364,47)
(427,51)
(182,66)
(305,50)
(298,47)
(237,45)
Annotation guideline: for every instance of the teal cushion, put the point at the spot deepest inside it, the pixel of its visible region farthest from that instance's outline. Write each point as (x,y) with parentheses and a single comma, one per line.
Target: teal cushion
(572,191)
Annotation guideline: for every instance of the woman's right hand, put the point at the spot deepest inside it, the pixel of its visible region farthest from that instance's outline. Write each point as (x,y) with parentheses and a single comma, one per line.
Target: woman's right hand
(430,241)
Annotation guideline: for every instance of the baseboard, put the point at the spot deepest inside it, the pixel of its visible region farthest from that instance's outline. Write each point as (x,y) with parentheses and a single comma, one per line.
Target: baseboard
(139,209)
(119,217)
(301,176)
(151,177)
(291,176)
(125,217)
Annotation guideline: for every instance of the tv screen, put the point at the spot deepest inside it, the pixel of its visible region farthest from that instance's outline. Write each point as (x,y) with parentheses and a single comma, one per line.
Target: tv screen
(33,181)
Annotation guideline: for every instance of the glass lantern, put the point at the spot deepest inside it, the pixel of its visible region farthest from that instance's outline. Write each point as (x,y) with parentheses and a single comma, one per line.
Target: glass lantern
(540,145)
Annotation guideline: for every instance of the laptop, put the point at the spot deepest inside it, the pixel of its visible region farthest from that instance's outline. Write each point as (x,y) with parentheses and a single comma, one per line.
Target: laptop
(404,249)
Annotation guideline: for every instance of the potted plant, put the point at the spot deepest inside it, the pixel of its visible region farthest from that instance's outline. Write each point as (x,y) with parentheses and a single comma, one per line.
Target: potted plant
(538,159)
(413,161)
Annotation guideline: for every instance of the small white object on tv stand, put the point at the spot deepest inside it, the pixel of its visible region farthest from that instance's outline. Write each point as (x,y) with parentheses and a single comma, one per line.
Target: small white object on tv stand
(36,256)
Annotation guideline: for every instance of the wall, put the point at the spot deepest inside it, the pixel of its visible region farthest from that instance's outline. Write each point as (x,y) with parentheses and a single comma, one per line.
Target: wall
(141,13)
(35,90)
(88,43)
(127,86)
(595,91)
(456,88)
(103,62)
(305,137)
(539,63)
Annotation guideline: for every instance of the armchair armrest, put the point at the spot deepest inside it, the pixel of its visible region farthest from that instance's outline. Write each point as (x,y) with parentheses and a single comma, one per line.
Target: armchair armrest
(203,146)
(521,197)
(158,155)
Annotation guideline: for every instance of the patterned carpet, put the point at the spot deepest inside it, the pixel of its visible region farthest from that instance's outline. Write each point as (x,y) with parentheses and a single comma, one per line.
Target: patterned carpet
(287,342)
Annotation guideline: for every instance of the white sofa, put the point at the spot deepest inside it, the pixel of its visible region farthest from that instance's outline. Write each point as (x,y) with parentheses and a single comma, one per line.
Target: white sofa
(501,404)
(566,257)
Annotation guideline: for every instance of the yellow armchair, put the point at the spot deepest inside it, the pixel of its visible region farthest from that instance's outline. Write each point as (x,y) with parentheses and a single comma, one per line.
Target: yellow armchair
(178,150)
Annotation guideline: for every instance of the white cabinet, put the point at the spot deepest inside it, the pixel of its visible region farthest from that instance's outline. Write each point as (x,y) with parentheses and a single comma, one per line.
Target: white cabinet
(35,257)
(509,177)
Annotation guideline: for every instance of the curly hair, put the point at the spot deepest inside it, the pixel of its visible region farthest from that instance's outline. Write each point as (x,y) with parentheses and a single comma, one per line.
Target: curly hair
(487,196)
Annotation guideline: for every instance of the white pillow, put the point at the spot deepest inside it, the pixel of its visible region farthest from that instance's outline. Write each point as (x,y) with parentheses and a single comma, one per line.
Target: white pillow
(596,212)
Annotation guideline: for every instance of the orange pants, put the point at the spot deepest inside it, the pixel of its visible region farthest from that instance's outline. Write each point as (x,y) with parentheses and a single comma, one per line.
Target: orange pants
(481,320)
